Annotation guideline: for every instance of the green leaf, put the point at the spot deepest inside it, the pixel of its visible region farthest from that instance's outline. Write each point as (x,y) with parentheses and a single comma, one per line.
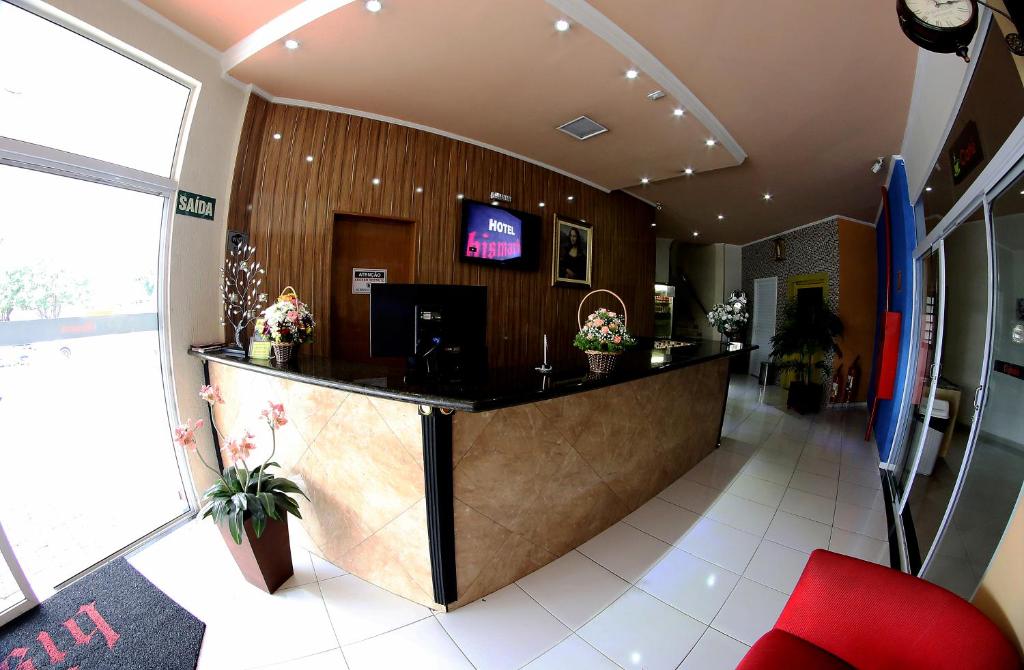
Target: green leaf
(240,501)
(236,525)
(269,505)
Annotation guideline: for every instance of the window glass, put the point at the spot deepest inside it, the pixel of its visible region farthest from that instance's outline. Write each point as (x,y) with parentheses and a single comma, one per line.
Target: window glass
(62,90)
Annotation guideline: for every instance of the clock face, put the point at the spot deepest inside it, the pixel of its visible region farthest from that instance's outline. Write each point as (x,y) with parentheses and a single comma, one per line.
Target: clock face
(942,13)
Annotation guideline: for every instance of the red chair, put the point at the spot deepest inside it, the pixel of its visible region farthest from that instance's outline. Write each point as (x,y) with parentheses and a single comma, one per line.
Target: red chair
(848,613)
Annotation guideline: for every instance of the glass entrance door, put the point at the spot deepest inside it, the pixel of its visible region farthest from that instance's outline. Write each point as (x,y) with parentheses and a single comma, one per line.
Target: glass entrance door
(994,467)
(16,595)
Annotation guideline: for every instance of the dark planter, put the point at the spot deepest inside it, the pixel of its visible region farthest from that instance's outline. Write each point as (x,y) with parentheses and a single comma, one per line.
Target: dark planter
(265,561)
(805,398)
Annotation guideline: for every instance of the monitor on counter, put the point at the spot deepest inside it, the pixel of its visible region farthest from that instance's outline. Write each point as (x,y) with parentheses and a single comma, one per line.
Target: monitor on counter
(498,236)
(417,320)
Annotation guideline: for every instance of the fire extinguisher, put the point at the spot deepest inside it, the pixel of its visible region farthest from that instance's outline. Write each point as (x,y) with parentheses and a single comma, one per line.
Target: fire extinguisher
(836,392)
(852,377)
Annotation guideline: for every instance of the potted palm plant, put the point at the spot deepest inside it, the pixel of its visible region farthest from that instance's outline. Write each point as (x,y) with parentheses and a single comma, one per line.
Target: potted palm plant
(250,505)
(808,331)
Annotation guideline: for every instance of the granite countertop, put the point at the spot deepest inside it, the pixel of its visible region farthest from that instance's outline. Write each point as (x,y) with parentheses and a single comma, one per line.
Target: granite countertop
(496,388)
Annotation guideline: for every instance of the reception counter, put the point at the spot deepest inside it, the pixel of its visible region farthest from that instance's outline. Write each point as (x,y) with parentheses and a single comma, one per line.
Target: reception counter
(444,493)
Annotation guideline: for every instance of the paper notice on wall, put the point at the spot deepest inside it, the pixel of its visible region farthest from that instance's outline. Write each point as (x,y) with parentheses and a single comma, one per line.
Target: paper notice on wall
(363,277)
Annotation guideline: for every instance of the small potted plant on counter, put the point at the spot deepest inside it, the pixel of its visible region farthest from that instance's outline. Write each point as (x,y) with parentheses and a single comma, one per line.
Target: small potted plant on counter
(287,323)
(603,336)
(251,506)
(729,318)
(808,331)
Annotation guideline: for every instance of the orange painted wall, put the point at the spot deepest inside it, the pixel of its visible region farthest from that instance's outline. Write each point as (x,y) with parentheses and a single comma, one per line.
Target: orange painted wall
(857,296)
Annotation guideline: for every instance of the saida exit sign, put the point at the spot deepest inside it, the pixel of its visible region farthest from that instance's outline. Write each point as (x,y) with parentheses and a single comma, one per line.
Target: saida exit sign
(193,204)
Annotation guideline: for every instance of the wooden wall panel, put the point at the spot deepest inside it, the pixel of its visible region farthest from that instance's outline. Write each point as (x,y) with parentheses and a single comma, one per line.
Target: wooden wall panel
(287,205)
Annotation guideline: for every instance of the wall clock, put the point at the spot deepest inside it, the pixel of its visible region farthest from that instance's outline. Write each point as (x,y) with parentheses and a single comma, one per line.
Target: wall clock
(942,26)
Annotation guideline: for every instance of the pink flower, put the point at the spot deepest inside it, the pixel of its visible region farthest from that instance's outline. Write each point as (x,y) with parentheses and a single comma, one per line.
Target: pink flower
(612,314)
(238,449)
(598,322)
(613,326)
(605,329)
(293,315)
(211,394)
(274,415)
(617,339)
(185,434)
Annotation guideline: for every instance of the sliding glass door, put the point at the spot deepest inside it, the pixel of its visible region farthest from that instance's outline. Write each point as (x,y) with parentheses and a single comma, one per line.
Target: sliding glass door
(993,470)
(16,595)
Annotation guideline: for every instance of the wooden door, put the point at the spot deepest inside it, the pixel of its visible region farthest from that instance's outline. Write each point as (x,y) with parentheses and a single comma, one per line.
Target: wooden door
(370,243)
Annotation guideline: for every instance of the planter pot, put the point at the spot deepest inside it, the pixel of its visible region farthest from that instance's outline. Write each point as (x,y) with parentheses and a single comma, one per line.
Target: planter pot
(283,353)
(265,561)
(602,362)
(805,398)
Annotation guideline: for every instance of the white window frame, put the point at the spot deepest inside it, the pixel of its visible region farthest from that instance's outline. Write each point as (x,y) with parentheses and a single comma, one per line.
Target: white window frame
(40,158)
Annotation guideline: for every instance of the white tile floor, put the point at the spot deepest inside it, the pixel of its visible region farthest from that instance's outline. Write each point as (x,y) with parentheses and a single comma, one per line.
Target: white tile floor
(687,582)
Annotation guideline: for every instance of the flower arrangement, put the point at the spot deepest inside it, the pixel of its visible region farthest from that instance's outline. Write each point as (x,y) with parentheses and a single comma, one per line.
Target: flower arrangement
(730,317)
(241,493)
(288,321)
(604,331)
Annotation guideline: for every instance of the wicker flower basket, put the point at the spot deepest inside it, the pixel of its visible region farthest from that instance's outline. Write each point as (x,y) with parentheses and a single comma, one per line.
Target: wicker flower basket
(601,362)
(283,352)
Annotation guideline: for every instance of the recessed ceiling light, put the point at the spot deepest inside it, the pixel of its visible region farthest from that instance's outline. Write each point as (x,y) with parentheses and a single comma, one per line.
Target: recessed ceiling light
(721,217)
(375,181)
(695,233)
(632,73)
(419,189)
(928,188)
(645,180)
(561,25)
(767,196)
(678,111)
(540,204)
(291,44)
(688,171)
(653,225)
(309,159)
(373,5)
(571,197)
(460,196)
(276,136)
(710,142)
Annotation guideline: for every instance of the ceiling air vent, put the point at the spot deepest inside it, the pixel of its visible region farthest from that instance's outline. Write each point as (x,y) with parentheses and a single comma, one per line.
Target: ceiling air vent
(583,128)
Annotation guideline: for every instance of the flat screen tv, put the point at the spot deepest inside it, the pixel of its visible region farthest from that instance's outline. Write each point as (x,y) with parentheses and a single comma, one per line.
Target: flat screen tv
(498,236)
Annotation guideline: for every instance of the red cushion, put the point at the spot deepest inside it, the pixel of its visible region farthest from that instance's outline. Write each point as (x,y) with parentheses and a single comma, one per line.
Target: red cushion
(876,618)
(777,650)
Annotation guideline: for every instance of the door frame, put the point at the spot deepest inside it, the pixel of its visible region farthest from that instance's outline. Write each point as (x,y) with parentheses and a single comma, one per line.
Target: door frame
(754,358)
(30,599)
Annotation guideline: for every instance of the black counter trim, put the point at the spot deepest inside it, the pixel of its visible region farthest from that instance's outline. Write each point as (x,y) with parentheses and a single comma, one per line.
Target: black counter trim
(440,501)
(213,430)
(725,403)
(480,404)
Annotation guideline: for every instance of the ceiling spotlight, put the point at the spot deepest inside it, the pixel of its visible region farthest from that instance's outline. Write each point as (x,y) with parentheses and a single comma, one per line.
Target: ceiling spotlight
(688,171)
(645,180)
(373,5)
(561,25)
(654,96)
(928,189)
(678,111)
(632,73)
(459,197)
(876,167)
(721,217)
(309,159)
(419,189)
(695,233)
(540,204)
(291,44)
(571,197)
(276,136)
(375,181)
(653,225)
(767,196)
(710,142)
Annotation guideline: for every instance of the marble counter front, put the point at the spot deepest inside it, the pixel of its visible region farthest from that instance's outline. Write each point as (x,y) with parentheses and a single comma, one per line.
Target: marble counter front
(443,506)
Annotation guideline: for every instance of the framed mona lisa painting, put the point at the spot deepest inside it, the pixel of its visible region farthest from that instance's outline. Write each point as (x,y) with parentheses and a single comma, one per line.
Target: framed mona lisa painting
(572,256)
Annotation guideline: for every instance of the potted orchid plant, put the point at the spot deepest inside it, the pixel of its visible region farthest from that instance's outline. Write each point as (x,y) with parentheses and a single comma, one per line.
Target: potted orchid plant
(249,505)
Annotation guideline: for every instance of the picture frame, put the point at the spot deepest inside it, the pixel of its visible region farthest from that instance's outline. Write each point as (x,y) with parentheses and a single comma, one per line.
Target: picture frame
(572,254)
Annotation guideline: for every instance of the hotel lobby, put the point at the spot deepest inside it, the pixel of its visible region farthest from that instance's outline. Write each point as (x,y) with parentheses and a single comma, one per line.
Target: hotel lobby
(546,334)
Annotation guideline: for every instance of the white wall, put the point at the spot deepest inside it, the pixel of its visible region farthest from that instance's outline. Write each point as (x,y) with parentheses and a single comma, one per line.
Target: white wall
(197,246)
